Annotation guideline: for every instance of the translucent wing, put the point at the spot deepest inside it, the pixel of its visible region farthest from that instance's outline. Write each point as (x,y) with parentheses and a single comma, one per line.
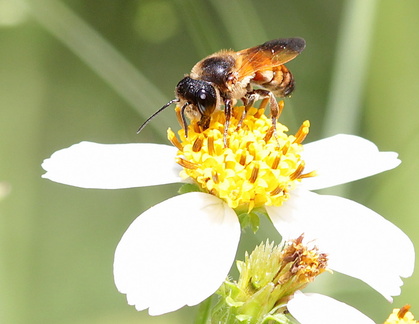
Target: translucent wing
(268,55)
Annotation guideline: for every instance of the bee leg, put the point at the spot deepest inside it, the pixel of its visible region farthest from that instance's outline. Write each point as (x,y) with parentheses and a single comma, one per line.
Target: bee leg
(276,110)
(273,105)
(228,112)
(247,102)
(267,96)
(239,124)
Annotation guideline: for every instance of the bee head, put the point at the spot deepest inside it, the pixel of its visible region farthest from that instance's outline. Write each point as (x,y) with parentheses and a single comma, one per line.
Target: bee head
(198,96)
(198,93)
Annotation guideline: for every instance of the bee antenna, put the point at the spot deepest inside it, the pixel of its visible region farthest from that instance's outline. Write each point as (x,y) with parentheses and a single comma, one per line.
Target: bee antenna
(155,114)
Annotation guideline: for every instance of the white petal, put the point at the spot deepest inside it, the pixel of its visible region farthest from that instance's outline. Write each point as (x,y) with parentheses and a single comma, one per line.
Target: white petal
(177,253)
(113,166)
(360,243)
(320,309)
(344,158)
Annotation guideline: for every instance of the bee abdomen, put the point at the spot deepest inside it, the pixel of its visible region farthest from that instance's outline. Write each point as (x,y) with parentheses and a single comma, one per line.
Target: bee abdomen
(279,80)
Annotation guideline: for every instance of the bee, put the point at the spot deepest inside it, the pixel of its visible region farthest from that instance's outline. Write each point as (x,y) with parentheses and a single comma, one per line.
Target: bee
(227,76)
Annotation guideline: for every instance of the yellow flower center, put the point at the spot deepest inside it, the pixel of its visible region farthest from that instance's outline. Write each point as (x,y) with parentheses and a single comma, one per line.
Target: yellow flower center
(258,167)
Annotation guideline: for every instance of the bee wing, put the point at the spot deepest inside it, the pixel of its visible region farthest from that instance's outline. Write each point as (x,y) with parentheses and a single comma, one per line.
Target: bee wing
(270,54)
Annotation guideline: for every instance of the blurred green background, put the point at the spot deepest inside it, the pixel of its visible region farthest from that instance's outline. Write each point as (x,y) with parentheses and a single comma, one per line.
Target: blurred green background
(94,70)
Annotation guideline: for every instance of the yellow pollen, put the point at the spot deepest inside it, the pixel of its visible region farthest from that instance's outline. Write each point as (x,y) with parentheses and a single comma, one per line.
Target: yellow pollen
(257,168)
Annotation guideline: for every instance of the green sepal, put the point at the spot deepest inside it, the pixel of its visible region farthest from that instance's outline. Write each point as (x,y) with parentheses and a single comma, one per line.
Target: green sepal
(251,219)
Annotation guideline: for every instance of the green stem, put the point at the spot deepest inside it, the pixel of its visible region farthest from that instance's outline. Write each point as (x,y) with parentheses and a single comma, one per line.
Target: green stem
(350,68)
(204,311)
(343,110)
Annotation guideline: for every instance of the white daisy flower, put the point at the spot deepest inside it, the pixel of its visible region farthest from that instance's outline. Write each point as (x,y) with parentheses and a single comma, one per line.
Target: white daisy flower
(179,252)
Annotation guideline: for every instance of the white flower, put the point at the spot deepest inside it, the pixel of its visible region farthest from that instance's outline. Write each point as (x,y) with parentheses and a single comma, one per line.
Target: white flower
(320,309)
(179,252)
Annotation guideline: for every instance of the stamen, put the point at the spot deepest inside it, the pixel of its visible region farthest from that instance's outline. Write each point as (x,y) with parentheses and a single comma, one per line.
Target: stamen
(254,175)
(211,148)
(402,312)
(308,175)
(186,164)
(269,134)
(242,160)
(281,105)
(174,140)
(285,148)
(275,162)
(197,145)
(297,173)
(259,112)
(302,132)
(277,191)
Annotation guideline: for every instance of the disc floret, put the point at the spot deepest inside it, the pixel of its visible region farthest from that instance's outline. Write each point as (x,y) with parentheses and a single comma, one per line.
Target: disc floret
(259,166)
